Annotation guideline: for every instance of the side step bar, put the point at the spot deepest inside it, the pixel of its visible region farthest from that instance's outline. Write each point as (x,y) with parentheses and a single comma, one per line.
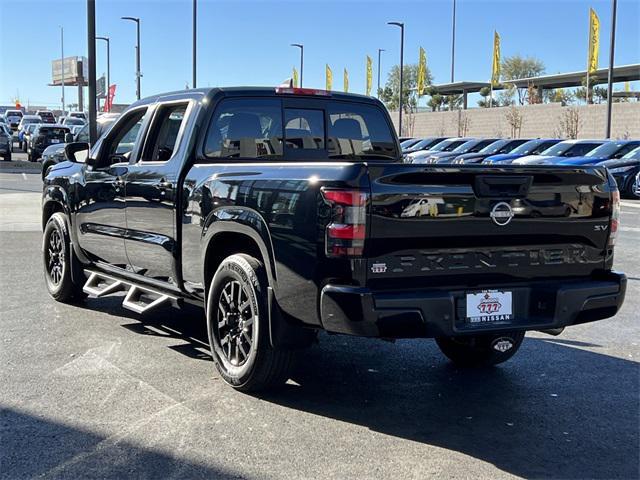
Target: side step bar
(139,298)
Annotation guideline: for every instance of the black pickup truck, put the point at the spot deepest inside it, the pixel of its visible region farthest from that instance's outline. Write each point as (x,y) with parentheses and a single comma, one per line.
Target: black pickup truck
(287,211)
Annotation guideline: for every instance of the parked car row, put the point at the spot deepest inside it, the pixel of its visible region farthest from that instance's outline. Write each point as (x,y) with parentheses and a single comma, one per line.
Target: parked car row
(35,132)
(621,157)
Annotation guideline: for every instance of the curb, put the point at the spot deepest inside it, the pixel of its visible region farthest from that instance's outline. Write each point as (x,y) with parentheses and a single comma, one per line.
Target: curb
(20,167)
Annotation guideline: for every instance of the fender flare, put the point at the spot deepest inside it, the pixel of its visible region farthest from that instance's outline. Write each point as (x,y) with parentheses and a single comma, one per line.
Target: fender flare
(242,221)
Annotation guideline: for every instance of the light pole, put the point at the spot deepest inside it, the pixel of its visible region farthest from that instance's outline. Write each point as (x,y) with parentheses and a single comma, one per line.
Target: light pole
(301,47)
(91,48)
(612,45)
(62,64)
(138,74)
(453,40)
(195,17)
(380,50)
(401,25)
(106,39)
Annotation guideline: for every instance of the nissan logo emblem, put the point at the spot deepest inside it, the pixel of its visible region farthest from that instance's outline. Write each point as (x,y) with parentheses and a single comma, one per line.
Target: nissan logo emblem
(501,213)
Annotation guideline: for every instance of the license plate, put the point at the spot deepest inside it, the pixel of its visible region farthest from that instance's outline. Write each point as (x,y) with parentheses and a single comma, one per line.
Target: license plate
(489,306)
(54,140)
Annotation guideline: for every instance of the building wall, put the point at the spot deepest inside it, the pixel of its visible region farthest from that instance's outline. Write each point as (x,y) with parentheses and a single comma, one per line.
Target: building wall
(538,121)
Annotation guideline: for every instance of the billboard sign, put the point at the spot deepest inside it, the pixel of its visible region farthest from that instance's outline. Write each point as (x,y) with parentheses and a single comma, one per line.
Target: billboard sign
(76,69)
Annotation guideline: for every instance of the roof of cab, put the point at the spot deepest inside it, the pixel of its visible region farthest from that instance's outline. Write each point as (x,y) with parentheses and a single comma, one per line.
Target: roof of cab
(200,93)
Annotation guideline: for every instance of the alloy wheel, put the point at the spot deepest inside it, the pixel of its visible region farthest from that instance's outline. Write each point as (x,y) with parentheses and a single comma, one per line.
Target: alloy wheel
(55,257)
(235,323)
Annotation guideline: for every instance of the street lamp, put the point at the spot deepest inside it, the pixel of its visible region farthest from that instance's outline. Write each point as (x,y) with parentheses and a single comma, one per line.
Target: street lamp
(62,64)
(106,39)
(195,17)
(91,51)
(401,25)
(138,74)
(301,47)
(453,39)
(380,50)
(612,48)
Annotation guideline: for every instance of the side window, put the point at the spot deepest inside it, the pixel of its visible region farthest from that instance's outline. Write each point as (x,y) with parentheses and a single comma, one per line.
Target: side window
(83,134)
(121,139)
(357,131)
(246,128)
(304,129)
(163,139)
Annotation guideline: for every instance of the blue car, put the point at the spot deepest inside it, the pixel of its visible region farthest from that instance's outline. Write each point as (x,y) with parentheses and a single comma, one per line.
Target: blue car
(532,147)
(607,151)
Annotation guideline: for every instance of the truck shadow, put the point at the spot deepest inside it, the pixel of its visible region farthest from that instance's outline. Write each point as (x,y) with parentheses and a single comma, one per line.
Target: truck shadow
(37,447)
(554,410)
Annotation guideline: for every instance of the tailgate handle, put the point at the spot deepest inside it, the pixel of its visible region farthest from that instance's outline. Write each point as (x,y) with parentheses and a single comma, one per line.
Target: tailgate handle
(501,186)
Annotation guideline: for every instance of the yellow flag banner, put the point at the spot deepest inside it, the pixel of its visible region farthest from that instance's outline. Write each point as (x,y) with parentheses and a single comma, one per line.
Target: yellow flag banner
(495,69)
(594,41)
(369,75)
(627,87)
(346,80)
(329,84)
(295,77)
(422,71)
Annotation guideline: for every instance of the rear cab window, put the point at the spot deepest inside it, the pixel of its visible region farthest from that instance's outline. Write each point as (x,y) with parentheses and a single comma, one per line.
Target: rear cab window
(286,129)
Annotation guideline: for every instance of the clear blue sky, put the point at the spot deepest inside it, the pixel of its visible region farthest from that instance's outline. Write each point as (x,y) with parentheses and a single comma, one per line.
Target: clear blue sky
(247,43)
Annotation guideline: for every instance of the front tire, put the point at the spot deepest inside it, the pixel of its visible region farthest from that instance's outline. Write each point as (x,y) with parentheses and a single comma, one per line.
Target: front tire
(481,350)
(58,260)
(238,327)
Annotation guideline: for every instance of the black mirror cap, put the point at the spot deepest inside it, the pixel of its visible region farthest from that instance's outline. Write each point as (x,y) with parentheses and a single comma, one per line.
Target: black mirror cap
(71,149)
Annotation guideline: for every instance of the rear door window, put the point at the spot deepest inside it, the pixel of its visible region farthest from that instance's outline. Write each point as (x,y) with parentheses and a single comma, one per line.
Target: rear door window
(246,128)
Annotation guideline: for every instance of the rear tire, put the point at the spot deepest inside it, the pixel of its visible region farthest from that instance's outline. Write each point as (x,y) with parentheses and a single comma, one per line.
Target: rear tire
(59,260)
(238,327)
(481,350)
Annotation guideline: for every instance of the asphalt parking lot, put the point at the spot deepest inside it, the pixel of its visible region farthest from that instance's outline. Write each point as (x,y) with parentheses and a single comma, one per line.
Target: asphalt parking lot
(93,390)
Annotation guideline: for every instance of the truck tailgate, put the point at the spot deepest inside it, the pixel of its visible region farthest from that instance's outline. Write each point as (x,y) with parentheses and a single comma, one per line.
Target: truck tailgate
(476,224)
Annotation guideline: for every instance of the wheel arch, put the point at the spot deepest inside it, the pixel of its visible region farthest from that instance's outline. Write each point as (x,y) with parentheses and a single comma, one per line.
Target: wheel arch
(236,230)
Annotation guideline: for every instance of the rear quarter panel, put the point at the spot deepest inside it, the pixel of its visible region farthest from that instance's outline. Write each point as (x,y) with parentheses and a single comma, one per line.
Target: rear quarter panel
(280,206)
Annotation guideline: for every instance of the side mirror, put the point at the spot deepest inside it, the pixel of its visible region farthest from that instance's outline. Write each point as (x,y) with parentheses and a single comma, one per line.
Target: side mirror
(77,151)
(68,138)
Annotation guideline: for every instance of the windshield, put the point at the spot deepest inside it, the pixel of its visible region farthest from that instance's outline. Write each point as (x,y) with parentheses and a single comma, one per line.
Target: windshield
(633,154)
(473,146)
(612,148)
(425,144)
(58,132)
(447,145)
(73,121)
(409,143)
(14,113)
(558,149)
(495,146)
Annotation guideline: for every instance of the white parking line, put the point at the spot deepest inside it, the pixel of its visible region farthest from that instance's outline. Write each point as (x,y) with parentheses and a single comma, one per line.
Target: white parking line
(630,204)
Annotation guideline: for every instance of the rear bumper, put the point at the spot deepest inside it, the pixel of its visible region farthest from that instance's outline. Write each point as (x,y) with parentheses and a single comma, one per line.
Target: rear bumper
(439,312)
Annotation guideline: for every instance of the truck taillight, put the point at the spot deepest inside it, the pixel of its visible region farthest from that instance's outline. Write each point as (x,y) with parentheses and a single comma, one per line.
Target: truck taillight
(615,217)
(346,231)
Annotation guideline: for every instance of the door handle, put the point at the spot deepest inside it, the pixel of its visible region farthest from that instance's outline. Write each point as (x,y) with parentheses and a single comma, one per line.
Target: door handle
(164,185)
